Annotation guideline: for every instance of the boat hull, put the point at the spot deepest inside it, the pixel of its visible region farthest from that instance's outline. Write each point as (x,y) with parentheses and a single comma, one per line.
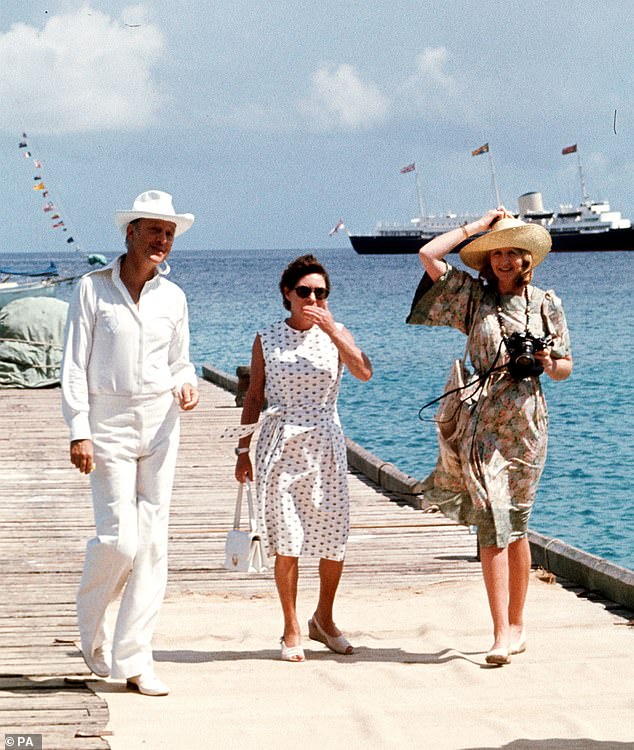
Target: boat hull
(613,239)
(10,292)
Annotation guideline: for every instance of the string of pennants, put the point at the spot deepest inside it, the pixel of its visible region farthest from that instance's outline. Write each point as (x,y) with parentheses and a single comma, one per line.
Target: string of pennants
(48,206)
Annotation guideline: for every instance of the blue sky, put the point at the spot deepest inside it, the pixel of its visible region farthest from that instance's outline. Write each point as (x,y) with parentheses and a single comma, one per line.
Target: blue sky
(272,120)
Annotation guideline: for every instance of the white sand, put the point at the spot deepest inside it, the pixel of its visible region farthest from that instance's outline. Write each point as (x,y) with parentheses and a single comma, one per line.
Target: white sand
(417,680)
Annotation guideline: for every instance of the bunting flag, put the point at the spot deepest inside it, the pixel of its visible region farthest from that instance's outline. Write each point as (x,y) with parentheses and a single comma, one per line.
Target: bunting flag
(482,150)
(409,168)
(569,149)
(48,207)
(339,225)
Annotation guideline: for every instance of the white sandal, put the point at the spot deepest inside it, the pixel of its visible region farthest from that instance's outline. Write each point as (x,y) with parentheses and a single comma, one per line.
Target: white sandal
(337,643)
(291,653)
(520,645)
(498,656)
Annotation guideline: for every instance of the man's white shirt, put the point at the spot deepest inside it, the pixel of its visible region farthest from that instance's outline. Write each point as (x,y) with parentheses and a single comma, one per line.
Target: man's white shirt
(115,347)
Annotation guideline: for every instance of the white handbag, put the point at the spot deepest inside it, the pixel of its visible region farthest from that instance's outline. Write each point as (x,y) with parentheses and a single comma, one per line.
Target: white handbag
(243,549)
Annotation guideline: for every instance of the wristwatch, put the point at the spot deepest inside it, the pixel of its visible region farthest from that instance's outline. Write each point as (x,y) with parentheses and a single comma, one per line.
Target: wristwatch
(240,451)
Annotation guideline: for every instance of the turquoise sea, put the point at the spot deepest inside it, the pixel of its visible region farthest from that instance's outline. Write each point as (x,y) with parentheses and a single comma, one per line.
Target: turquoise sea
(586,492)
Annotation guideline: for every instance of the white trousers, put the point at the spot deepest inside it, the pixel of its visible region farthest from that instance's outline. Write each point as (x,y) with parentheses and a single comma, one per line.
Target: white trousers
(135,441)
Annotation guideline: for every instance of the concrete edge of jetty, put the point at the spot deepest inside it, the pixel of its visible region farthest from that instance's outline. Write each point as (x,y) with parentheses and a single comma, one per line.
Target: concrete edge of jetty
(581,568)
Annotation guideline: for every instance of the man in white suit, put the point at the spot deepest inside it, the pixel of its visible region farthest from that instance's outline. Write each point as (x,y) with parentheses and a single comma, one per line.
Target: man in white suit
(125,372)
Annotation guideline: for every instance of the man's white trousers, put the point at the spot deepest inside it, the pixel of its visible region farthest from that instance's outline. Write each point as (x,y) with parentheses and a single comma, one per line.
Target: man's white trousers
(135,441)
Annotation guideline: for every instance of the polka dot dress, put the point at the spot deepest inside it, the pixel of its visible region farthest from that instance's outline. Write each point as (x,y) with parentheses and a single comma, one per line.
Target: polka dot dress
(301,467)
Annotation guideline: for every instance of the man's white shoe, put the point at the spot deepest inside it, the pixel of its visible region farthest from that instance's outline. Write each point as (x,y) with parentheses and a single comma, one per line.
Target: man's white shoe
(96,661)
(147,684)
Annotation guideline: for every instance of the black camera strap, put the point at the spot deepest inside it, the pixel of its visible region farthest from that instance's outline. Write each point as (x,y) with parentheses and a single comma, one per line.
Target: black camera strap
(483,377)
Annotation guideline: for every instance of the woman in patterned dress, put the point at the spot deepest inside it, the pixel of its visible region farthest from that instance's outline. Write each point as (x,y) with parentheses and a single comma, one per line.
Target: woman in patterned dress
(300,460)
(488,476)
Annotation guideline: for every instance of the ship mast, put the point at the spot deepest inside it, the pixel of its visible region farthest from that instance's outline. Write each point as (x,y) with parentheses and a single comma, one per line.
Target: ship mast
(494,180)
(412,168)
(421,211)
(584,190)
(486,149)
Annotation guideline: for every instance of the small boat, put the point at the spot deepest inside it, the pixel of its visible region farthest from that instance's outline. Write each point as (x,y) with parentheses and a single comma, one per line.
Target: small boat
(50,270)
(12,290)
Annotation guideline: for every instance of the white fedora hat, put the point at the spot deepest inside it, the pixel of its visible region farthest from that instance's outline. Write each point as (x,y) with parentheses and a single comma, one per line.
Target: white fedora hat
(509,232)
(154,204)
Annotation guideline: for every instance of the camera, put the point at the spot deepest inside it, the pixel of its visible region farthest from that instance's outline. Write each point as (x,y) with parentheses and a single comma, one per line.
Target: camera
(521,346)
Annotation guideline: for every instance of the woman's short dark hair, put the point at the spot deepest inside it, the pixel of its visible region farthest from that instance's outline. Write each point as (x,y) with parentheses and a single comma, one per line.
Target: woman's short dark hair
(296,270)
(525,276)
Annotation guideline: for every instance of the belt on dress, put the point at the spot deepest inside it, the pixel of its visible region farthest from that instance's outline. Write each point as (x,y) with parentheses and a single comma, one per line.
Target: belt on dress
(292,415)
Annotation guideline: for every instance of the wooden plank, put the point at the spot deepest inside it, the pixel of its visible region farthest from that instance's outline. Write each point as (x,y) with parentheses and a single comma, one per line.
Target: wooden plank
(47,519)
(66,713)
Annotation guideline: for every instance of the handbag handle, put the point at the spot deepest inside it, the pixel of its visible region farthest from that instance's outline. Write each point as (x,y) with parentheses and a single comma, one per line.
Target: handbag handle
(253,526)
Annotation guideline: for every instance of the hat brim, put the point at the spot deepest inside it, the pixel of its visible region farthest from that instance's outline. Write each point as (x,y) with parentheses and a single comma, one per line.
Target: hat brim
(182,221)
(533,238)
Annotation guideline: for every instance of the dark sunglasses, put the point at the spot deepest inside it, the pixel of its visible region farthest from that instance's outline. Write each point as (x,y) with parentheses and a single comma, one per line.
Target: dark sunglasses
(304,292)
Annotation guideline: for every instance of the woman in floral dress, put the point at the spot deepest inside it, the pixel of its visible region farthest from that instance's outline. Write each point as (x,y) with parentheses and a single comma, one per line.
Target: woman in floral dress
(489,475)
(300,460)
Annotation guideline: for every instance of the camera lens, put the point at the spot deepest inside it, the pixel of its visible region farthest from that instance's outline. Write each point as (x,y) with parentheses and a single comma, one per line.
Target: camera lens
(525,357)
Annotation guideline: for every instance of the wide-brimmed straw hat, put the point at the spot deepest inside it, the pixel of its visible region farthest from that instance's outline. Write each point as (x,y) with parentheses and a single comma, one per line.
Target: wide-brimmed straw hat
(154,204)
(508,232)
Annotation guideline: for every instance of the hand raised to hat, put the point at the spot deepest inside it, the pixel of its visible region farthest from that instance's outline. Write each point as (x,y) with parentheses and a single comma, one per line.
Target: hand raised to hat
(488,220)
(432,253)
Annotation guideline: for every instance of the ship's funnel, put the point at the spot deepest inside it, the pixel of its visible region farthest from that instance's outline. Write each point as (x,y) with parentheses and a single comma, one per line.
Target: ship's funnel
(530,203)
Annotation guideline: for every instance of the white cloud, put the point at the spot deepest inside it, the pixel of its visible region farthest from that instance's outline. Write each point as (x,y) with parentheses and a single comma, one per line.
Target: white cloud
(430,70)
(340,99)
(83,71)
(433,93)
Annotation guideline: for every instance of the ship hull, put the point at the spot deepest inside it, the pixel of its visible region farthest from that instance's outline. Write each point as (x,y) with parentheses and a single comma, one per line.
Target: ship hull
(613,239)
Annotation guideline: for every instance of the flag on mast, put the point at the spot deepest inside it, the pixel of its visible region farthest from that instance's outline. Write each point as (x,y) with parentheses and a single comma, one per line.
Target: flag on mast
(409,168)
(569,149)
(339,225)
(484,149)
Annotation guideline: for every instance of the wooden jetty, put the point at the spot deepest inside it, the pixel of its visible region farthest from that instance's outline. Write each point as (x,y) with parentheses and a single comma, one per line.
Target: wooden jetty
(47,517)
